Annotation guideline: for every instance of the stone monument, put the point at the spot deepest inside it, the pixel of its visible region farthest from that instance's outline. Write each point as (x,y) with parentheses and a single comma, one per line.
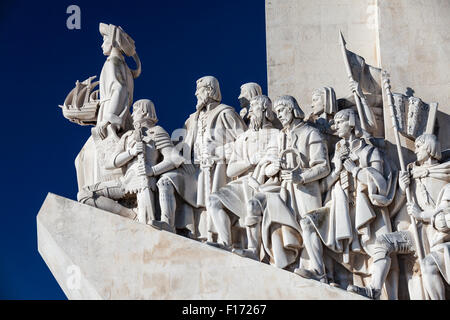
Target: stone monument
(347,200)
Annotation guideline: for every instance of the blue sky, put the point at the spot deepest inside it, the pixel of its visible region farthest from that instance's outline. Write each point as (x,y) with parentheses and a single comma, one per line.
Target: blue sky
(177,41)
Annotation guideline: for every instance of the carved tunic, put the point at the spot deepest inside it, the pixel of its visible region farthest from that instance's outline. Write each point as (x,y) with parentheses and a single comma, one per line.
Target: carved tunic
(281,232)
(222,125)
(358,206)
(428,191)
(424,190)
(314,165)
(201,136)
(116,92)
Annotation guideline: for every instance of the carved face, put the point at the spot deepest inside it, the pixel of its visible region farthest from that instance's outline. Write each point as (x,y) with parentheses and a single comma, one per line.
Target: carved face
(139,113)
(244,98)
(318,104)
(202,93)
(343,128)
(284,114)
(421,152)
(106,46)
(256,114)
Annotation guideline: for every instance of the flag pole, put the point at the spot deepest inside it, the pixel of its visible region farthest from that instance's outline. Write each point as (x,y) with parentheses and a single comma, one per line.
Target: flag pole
(409,199)
(349,74)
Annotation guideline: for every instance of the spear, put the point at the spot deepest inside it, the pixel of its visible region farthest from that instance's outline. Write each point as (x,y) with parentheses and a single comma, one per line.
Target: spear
(387,87)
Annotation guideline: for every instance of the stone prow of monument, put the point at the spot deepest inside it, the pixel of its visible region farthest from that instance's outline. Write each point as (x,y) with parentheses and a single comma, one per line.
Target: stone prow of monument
(94,254)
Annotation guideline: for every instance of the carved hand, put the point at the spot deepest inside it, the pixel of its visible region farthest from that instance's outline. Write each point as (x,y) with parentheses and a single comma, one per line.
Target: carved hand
(414,210)
(403,181)
(354,87)
(102,129)
(337,164)
(136,149)
(292,176)
(273,168)
(342,153)
(349,165)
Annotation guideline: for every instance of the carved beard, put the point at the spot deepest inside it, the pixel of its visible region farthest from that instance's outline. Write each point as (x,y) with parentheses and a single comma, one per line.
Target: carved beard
(201,102)
(256,121)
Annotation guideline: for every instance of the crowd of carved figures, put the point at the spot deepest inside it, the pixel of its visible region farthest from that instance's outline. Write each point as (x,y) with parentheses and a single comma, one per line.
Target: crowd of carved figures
(313,194)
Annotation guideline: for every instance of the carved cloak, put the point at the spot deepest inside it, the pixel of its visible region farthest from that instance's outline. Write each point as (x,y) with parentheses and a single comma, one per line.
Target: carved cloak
(280,231)
(346,227)
(223,124)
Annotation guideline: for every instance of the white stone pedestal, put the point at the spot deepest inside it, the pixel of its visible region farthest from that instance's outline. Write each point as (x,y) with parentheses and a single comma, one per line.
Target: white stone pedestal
(94,254)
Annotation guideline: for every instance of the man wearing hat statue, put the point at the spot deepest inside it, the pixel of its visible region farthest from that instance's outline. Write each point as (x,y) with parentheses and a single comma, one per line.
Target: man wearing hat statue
(116,80)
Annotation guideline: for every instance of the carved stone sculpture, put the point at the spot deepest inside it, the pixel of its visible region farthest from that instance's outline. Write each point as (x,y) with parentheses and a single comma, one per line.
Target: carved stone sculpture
(249,90)
(429,186)
(82,103)
(116,79)
(305,161)
(106,108)
(260,183)
(138,153)
(210,133)
(255,151)
(361,187)
(324,107)
(436,268)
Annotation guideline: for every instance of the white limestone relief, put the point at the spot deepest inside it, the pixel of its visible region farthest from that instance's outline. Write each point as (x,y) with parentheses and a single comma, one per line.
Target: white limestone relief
(317,195)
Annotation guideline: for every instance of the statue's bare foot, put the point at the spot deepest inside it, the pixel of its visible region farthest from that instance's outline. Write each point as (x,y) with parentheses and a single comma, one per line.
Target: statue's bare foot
(246,253)
(304,273)
(365,291)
